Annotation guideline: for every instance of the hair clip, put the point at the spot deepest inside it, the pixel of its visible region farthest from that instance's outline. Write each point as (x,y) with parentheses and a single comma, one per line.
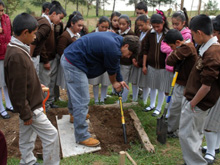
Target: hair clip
(161,13)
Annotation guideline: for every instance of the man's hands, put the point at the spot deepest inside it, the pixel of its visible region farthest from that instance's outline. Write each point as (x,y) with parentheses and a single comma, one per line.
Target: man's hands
(119,85)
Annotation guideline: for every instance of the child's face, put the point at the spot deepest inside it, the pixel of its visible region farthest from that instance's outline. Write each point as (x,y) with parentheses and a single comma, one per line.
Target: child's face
(56,18)
(29,37)
(197,37)
(143,26)
(1,11)
(140,12)
(115,22)
(103,26)
(173,46)
(77,27)
(178,24)
(123,25)
(126,53)
(158,27)
(217,34)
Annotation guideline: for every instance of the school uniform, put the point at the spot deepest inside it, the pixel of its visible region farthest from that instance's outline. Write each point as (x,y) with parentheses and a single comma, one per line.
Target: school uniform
(188,53)
(125,65)
(205,71)
(48,55)
(64,41)
(27,97)
(44,29)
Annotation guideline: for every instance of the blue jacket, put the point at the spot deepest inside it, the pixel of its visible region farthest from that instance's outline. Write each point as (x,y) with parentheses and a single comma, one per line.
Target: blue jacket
(96,53)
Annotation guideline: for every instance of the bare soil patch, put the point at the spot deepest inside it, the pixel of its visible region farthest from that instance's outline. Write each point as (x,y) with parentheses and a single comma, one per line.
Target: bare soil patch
(106,125)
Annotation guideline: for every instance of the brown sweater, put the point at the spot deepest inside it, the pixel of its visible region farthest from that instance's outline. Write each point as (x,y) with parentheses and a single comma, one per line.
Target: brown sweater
(44,29)
(151,48)
(49,49)
(64,41)
(188,53)
(127,61)
(22,81)
(205,71)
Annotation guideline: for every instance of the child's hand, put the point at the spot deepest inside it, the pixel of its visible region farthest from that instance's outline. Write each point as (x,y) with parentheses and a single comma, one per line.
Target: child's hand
(134,61)
(144,70)
(29,122)
(1,30)
(192,105)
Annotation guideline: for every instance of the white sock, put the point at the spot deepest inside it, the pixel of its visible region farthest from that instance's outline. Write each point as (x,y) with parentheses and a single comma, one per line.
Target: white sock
(153,94)
(103,92)
(96,93)
(146,92)
(135,90)
(7,99)
(211,138)
(217,141)
(161,96)
(125,95)
(2,108)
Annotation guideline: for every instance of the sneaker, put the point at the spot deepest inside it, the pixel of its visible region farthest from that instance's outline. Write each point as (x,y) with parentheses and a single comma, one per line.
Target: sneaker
(11,109)
(204,149)
(54,105)
(148,109)
(4,115)
(72,118)
(90,142)
(156,113)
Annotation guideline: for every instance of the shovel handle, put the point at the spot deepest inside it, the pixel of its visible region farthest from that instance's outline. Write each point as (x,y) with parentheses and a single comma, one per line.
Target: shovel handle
(123,120)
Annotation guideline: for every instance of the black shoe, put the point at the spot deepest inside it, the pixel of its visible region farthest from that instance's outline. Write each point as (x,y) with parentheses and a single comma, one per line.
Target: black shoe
(172,135)
(11,109)
(5,116)
(36,163)
(54,106)
(209,161)
(204,149)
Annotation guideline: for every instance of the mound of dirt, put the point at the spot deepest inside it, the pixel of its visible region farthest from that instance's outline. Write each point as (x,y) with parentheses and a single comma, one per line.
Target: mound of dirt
(106,125)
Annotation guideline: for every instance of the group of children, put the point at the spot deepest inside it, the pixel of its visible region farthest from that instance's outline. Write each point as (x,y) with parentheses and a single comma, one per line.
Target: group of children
(195,102)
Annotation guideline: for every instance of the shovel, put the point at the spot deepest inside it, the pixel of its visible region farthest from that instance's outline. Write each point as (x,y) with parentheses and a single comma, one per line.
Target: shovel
(162,126)
(122,116)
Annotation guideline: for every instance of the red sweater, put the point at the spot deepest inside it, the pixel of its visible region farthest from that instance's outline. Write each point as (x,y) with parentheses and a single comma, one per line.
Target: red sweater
(5,36)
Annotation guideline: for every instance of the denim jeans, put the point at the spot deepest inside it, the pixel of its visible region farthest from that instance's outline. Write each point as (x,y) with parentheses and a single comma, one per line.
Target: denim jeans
(78,93)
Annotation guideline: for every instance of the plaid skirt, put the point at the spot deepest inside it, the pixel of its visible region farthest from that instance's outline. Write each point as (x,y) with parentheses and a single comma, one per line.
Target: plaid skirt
(2,75)
(102,79)
(135,75)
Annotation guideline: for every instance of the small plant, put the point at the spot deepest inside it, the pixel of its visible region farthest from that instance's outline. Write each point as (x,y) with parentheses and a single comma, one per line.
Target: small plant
(211,8)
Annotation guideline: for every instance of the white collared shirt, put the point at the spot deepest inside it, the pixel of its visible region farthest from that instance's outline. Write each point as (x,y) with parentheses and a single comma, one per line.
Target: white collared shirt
(125,32)
(143,34)
(47,17)
(77,35)
(157,35)
(205,47)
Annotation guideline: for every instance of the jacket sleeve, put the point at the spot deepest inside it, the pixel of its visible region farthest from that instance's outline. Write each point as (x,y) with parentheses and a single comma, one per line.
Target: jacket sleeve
(17,83)
(62,44)
(42,33)
(165,48)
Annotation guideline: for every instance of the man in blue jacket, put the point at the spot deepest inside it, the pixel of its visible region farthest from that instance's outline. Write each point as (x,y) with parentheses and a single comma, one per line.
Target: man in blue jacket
(89,57)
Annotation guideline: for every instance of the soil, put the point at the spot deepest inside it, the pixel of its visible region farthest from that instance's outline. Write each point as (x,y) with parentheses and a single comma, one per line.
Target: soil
(106,125)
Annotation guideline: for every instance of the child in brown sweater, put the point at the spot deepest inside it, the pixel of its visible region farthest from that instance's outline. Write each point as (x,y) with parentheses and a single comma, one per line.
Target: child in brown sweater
(202,90)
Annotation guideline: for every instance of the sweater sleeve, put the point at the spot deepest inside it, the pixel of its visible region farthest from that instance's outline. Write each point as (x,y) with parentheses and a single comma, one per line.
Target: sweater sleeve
(62,44)
(165,48)
(18,87)
(42,33)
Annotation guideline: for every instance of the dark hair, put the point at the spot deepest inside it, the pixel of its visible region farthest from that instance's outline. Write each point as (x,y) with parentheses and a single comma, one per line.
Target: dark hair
(2,3)
(24,21)
(46,5)
(123,16)
(118,14)
(201,22)
(141,6)
(159,19)
(55,3)
(172,36)
(58,9)
(103,19)
(216,23)
(74,17)
(133,42)
(143,18)
(182,15)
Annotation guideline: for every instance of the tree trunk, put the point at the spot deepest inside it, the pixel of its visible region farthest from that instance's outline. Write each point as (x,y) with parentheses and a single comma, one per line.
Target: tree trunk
(113,6)
(97,8)
(135,3)
(87,9)
(191,7)
(77,5)
(103,7)
(199,7)
(182,3)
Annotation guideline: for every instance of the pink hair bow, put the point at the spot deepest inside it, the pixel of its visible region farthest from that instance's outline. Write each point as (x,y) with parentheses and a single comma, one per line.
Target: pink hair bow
(161,13)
